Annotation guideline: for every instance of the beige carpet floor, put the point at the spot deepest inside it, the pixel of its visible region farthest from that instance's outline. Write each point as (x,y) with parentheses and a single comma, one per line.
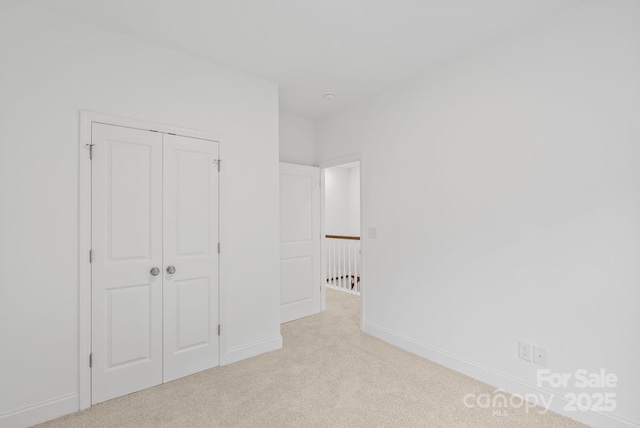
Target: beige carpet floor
(329,374)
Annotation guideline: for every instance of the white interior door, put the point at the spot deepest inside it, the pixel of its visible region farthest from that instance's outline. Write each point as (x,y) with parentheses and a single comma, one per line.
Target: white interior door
(299,241)
(154,259)
(126,246)
(191,248)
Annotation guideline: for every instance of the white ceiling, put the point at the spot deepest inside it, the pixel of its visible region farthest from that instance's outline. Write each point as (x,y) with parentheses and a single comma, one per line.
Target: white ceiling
(351,47)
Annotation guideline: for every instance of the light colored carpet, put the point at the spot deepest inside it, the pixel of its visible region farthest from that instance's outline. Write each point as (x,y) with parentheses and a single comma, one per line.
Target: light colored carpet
(329,374)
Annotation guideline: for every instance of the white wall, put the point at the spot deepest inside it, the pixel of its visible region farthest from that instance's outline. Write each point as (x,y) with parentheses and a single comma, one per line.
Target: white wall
(51,69)
(342,201)
(505,188)
(354,201)
(297,140)
(336,207)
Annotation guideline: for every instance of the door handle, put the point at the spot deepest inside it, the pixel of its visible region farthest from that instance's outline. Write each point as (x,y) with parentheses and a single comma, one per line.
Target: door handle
(154,271)
(171,270)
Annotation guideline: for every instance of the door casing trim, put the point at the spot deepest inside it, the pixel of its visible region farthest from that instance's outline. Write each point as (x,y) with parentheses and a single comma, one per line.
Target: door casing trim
(87,118)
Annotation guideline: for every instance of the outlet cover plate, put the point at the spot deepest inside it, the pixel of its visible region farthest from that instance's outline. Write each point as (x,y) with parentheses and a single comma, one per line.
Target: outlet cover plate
(524,351)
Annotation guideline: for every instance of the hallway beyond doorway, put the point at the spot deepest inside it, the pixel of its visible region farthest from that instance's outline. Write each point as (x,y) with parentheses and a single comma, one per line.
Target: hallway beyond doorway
(342,227)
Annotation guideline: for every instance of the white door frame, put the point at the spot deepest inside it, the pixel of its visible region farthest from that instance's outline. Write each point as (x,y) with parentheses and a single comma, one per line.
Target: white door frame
(356,157)
(84,229)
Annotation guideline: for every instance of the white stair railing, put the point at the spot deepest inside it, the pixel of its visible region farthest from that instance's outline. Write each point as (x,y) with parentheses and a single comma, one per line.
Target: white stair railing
(342,255)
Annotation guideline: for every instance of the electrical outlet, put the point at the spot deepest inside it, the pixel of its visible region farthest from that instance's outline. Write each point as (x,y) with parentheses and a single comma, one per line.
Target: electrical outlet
(540,356)
(524,351)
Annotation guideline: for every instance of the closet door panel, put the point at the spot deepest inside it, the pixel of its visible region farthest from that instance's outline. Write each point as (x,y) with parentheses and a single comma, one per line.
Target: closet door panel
(190,256)
(126,245)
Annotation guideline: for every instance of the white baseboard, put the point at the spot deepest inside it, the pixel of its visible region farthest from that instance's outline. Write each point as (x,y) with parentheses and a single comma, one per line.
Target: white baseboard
(498,379)
(41,412)
(251,350)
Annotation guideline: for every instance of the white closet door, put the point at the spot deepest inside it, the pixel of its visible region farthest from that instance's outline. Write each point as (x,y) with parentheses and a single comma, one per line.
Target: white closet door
(127,245)
(191,248)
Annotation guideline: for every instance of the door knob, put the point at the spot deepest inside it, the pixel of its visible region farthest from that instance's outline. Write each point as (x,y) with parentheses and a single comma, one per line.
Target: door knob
(171,270)
(154,271)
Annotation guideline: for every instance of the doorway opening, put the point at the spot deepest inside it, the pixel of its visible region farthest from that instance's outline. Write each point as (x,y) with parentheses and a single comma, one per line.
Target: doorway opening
(341,244)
